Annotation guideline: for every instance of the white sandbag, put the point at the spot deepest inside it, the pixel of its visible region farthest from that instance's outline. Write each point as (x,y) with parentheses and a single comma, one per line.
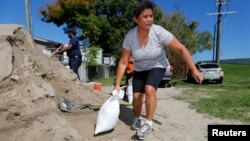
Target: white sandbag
(118,94)
(130,91)
(130,94)
(109,113)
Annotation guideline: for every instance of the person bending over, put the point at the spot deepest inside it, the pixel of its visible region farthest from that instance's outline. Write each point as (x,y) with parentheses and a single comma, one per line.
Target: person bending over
(145,43)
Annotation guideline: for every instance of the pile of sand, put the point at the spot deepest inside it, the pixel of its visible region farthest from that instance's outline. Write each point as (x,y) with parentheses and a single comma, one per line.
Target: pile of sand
(29,84)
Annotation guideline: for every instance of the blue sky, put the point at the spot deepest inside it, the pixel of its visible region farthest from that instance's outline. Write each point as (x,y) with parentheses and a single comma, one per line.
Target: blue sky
(235,27)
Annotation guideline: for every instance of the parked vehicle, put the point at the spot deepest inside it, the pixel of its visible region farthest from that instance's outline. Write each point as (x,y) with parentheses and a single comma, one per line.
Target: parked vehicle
(210,72)
(167,78)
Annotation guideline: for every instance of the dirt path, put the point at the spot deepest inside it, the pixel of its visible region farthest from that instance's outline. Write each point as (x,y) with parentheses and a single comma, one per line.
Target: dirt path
(174,120)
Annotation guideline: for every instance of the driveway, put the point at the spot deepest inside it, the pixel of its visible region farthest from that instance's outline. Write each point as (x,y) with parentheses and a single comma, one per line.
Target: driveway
(174,120)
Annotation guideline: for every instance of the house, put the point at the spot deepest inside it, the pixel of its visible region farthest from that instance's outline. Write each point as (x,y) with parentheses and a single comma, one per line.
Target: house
(48,47)
(105,64)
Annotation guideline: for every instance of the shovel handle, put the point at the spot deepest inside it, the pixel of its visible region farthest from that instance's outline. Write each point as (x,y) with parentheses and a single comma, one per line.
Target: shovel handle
(53,53)
(82,106)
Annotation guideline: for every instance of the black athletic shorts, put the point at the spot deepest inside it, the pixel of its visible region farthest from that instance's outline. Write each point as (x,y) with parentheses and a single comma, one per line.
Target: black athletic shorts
(151,77)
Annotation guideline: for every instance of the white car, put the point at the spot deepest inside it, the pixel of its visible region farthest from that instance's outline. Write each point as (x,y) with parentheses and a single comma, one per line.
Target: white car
(210,72)
(168,76)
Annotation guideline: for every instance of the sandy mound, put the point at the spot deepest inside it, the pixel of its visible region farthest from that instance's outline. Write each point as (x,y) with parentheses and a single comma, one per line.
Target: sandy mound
(29,84)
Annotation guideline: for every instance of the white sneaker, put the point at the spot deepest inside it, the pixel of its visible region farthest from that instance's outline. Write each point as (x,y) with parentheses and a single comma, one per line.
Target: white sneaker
(136,123)
(141,132)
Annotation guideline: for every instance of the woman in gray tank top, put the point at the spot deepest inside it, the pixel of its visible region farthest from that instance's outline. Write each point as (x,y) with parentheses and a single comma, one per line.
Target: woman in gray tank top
(145,43)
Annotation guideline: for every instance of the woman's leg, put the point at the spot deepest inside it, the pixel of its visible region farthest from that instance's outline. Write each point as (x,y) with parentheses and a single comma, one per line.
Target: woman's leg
(153,80)
(139,79)
(137,104)
(150,93)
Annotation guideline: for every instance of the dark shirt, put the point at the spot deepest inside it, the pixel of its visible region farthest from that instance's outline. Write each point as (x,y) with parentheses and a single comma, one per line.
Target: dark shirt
(75,50)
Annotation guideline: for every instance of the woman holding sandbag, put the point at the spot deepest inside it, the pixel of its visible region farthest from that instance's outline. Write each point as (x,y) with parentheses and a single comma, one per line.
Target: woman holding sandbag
(145,43)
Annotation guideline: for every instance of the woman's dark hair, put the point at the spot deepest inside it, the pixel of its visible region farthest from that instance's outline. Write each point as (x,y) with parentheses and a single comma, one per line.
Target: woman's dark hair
(142,5)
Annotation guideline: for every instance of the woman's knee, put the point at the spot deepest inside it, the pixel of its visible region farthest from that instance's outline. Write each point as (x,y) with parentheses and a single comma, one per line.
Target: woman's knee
(150,90)
(137,96)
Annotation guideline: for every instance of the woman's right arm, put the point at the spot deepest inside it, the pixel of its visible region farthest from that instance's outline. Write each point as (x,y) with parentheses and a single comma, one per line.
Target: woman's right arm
(122,65)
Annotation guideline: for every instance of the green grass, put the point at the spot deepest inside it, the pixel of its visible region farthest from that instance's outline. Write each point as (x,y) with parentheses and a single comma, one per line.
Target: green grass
(228,105)
(229,100)
(109,81)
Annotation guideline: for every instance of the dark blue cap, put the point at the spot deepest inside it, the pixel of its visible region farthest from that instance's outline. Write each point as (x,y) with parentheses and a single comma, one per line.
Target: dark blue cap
(71,30)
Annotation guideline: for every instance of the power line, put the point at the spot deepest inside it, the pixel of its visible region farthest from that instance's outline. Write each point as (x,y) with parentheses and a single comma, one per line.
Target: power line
(222,13)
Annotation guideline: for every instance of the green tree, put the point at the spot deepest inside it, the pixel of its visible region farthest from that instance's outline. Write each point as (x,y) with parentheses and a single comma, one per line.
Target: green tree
(188,34)
(67,12)
(104,22)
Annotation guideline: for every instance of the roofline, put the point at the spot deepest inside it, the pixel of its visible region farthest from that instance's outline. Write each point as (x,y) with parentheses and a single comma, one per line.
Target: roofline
(45,40)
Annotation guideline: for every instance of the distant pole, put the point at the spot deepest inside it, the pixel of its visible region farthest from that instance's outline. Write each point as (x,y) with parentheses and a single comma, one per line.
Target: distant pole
(218,39)
(28,16)
(214,45)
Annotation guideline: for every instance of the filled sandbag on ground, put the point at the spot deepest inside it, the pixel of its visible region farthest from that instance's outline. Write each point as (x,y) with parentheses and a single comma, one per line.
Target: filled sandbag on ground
(109,113)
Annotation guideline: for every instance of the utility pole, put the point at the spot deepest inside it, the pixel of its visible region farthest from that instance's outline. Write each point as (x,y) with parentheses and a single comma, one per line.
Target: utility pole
(217,59)
(28,16)
(219,22)
(214,44)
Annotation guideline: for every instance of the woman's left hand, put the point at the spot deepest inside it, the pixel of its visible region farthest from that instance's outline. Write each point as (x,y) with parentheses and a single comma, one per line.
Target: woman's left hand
(197,76)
